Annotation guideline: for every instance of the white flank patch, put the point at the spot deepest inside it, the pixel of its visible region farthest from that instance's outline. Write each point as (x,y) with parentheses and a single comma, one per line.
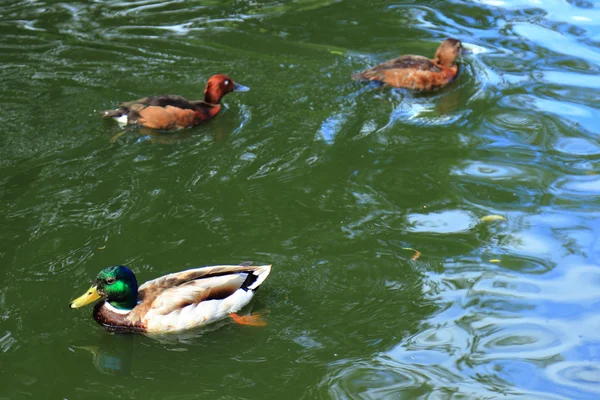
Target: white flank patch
(122,119)
(197,315)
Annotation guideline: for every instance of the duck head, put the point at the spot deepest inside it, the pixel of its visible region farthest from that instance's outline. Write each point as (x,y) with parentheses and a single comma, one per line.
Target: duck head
(117,284)
(218,86)
(448,52)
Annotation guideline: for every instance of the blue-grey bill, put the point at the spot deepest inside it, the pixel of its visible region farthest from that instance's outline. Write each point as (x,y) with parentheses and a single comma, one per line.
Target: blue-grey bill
(240,88)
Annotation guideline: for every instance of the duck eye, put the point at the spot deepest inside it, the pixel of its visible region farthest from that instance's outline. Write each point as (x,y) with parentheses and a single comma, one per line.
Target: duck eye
(110,281)
(226,82)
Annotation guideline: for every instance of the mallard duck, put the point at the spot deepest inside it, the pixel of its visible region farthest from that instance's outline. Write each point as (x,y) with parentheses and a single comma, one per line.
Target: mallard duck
(167,112)
(417,72)
(173,302)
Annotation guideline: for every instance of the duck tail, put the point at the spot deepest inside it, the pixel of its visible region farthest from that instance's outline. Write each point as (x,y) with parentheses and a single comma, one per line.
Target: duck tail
(114,113)
(359,76)
(368,75)
(256,277)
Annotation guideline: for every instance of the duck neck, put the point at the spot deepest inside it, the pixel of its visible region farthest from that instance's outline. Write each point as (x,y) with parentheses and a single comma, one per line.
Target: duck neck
(445,60)
(126,298)
(448,64)
(123,305)
(212,94)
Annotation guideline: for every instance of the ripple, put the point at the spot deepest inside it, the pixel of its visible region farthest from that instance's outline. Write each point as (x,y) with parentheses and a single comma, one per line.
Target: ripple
(556,42)
(492,171)
(555,10)
(531,243)
(584,115)
(382,378)
(7,342)
(581,283)
(587,81)
(516,120)
(577,146)
(522,339)
(431,345)
(578,185)
(417,112)
(451,221)
(331,127)
(377,379)
(582,375)
(284,165)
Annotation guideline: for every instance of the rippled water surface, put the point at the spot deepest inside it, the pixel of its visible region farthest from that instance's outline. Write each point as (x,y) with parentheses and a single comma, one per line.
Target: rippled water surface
(333,182)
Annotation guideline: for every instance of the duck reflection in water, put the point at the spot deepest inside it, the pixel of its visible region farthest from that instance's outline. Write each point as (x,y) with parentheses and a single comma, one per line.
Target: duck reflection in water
(113,354)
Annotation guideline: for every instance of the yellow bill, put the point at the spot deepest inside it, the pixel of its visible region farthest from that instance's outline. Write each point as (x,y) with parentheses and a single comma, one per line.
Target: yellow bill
(89,297)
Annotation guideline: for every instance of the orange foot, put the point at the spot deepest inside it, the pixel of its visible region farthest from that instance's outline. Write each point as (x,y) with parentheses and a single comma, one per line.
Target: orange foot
(250,320)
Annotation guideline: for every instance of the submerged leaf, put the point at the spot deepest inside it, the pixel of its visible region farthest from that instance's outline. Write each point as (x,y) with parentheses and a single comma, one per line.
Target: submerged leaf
(416,255)
(490,218)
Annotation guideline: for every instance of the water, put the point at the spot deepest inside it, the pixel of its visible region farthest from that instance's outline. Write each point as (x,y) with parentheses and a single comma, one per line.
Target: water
(330,181)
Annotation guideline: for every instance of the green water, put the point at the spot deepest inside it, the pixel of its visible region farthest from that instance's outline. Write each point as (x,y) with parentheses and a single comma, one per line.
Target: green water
(328,180)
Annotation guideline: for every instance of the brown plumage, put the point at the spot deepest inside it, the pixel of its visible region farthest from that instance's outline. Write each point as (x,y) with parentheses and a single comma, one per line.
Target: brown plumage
(169,112)
(417,72)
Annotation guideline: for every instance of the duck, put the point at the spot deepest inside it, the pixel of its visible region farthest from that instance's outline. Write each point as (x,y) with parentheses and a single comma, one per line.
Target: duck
(175,302)
(418,73)
(172,112)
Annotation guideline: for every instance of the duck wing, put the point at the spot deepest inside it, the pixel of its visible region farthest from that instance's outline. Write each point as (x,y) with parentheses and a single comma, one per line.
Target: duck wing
(408,62)
(160,101)
(198,296)
(136,106)
(413,62)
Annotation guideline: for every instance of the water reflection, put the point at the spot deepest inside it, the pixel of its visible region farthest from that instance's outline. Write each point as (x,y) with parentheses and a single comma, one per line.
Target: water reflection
(114,354)
(443,222)
(387,377)
(111,355)
(581,375)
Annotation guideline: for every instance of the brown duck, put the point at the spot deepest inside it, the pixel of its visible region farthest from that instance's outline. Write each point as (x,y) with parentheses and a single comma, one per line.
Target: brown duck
(417,72)
(167,112)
